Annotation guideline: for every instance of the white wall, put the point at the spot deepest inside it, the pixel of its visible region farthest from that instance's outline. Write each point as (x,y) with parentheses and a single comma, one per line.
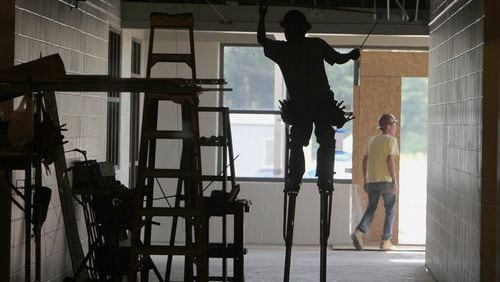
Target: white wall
(264,222)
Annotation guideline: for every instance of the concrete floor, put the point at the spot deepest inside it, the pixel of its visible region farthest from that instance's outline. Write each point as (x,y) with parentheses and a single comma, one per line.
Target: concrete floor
(265,264)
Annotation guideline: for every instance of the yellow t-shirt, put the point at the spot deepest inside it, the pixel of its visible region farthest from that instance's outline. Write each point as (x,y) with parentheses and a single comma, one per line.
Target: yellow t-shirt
(379,148)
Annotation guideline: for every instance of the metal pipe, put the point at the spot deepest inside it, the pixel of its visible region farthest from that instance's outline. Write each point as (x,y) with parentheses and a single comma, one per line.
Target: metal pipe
(325,213)
(416,10)
(388,9)
(289,233)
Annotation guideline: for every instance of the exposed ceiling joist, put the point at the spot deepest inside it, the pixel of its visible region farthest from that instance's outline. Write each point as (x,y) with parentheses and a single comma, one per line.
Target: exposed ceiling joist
(244,18)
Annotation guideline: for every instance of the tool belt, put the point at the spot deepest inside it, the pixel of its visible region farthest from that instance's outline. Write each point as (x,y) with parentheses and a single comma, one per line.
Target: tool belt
(330,110)
(288,112)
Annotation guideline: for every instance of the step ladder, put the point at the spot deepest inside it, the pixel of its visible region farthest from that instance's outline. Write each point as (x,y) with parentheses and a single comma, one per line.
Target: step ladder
(188,174)
(225,142)
(222,201)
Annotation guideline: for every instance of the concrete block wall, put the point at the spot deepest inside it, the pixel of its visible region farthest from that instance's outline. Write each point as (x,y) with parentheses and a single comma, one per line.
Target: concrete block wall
(456,142)
(80,37)
(264,222)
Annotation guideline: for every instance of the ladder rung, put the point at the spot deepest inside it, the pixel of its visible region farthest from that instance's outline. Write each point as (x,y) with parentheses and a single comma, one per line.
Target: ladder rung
(213,141)
(171,58)
(169,134)
(215,178)
(162,20)
(209,81)
(168,173)
(168,250)
(185,212)
(210,144)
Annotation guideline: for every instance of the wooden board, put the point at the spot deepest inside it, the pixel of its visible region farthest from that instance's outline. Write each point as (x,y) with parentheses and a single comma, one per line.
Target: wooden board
(65,197)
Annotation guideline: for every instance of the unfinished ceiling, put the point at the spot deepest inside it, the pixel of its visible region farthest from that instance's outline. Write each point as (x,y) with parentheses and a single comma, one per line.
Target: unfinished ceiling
(411,4)
(401,24)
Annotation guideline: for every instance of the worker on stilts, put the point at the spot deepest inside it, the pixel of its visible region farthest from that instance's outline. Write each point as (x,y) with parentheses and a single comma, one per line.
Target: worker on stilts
(310,102)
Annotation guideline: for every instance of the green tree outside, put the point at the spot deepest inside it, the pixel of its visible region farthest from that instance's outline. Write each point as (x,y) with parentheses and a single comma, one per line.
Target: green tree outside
(414,115)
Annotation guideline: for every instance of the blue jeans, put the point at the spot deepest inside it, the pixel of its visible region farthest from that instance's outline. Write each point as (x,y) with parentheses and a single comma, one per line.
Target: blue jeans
(375,190)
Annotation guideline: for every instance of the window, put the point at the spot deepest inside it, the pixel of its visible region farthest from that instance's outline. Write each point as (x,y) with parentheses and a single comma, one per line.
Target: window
(136,58)
(257,130)
(113,126)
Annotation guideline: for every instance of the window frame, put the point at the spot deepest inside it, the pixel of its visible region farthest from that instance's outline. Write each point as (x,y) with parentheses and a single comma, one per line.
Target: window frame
(113,101)
(135,112)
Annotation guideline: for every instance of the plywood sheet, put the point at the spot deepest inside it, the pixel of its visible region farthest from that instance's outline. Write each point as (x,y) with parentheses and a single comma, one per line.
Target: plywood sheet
(396,64)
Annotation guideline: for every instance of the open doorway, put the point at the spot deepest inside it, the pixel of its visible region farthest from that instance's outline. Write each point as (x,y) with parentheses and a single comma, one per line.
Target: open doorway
(413,161)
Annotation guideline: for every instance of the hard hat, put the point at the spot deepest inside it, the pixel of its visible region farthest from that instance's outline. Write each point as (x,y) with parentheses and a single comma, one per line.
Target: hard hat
(295,18)
(385,120)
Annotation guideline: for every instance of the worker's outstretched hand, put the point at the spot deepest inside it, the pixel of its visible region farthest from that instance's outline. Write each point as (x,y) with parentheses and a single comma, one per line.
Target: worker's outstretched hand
(349,116)
(355,54)
(262,8)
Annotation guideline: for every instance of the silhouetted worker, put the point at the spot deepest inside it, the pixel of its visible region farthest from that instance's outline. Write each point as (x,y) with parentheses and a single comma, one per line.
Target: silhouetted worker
(301,60)
(380,179)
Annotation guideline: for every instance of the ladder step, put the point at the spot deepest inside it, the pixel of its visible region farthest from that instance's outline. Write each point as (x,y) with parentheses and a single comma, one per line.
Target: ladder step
(184,212)
(168,173)
(210,81)
(169,134)
(168,250)
(171,58)
(213,141)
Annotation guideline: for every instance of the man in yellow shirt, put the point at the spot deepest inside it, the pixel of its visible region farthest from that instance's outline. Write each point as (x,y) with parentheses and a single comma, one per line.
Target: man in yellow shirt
(380,179)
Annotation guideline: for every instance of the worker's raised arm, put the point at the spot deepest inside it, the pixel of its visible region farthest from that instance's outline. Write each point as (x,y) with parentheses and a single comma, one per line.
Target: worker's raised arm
(334,57)
(261,29)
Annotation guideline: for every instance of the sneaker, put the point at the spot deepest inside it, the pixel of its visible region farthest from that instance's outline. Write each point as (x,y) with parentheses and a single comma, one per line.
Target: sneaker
(386,245)
(357,239)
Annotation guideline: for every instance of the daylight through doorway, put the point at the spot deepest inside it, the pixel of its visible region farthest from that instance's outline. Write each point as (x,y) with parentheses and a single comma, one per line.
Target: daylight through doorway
(413,161)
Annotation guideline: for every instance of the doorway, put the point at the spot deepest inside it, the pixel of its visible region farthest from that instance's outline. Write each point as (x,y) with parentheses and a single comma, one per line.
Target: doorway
(413,161)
